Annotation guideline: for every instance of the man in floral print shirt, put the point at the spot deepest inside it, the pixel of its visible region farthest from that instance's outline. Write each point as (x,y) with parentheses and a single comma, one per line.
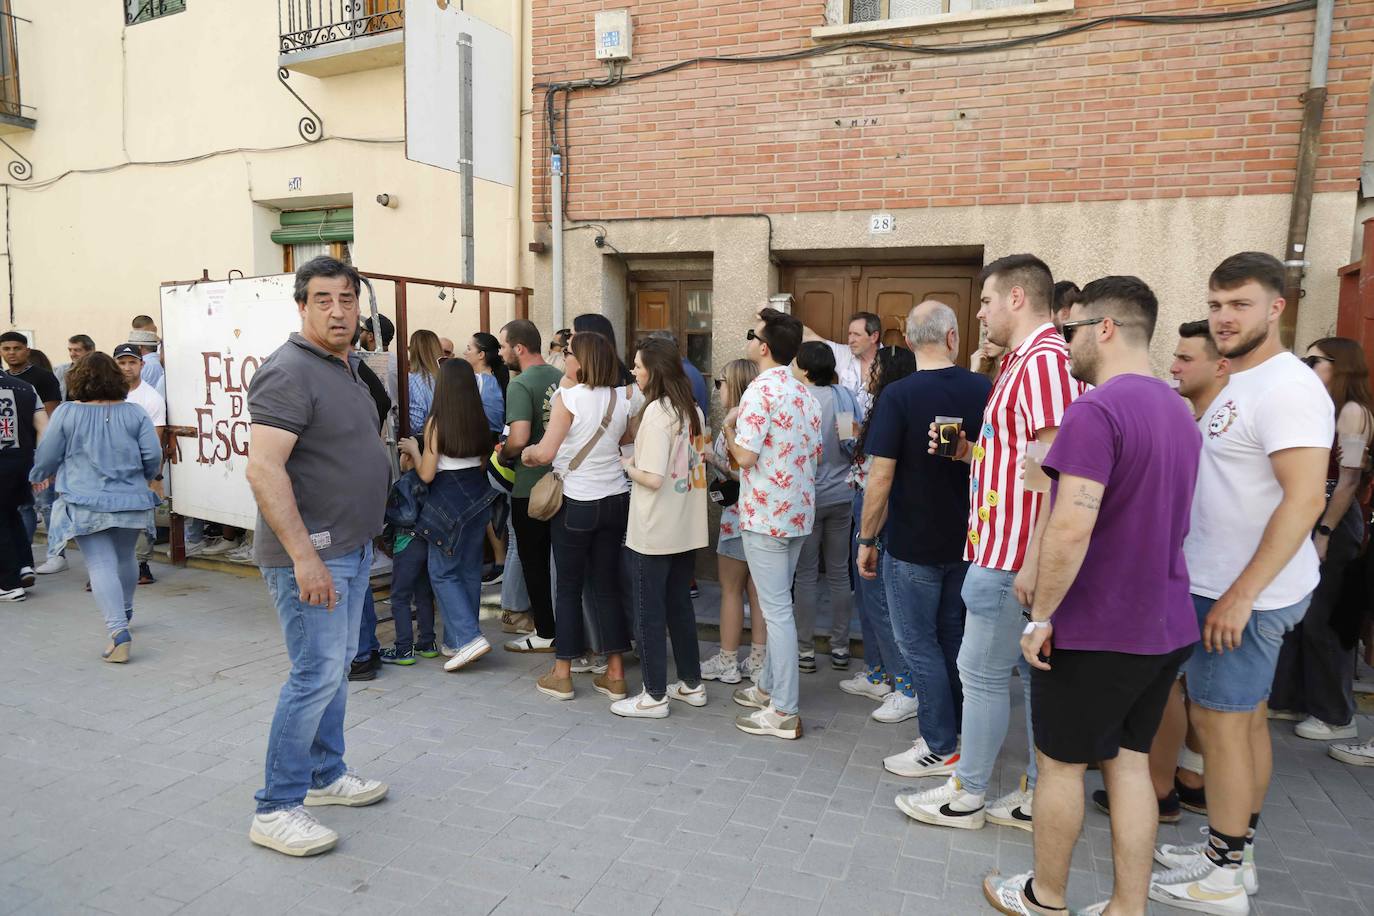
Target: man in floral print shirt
(776,439)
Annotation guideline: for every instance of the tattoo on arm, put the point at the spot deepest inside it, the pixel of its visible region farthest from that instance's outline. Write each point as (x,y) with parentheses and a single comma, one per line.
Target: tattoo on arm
(1085,500)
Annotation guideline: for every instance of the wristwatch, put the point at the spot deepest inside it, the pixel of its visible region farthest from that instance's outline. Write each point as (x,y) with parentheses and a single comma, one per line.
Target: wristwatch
(1324,530)
(868,542)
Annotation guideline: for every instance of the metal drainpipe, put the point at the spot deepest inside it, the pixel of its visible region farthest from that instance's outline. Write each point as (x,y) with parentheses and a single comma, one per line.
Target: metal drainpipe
(556,191)
(1314,100)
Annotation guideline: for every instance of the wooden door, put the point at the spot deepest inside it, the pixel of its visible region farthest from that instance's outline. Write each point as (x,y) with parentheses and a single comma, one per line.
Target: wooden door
(823,297)
(682,306)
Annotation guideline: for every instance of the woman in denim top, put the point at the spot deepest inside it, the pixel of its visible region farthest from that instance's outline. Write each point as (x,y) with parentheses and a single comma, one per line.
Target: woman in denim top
(453,519)
(104,452)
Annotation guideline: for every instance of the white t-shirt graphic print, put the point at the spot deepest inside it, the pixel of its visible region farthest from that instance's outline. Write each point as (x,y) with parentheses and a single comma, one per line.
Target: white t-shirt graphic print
(1279,404)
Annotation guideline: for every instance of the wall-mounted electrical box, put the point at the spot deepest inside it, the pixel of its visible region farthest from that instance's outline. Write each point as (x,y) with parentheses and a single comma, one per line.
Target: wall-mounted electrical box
(613,35)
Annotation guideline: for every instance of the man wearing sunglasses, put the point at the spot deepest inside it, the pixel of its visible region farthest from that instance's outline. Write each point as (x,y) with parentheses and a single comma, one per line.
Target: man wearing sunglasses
(1111,597)
(1260,490)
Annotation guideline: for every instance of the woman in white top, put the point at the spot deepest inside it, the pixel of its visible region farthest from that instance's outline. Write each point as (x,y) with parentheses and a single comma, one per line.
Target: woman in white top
(457,507)
(589,419)
(667,526)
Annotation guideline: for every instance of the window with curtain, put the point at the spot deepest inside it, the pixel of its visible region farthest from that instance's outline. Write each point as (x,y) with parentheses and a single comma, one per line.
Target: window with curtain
(878,10)
(306,234)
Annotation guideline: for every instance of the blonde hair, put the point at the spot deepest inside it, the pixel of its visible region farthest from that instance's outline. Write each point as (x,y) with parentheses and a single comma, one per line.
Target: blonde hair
(425,354)
(738,374)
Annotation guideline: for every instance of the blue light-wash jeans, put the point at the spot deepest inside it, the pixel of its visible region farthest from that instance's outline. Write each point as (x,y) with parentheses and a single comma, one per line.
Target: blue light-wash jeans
(870,598)
(928,620)
(367,627)
(773,563)
(305,747)
(829,540)
(514,597)
(990,652)
(30,512)
(410,586)
(110,562)
(456,580)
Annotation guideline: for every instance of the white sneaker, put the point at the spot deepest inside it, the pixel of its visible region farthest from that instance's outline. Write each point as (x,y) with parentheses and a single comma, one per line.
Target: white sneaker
(692,696)
(1203,887)
(13,594)
(752,667)
(1008,894)
(920,761)
(52,565)
(946,806)
(1013,809)
(770,722)
(589,664)
(218,546)
(1315,729)
(242,553)
(446,650)
(641,707)
(531,643)
(1358,755)
(468,653)
(196,548)
(721,667)
(1186,856)
(861,685)
(897,707)
(292,831)
(752,697)
(350,790)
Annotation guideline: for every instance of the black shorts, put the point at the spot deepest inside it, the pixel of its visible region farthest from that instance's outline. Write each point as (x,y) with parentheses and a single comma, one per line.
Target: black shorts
(1089,704)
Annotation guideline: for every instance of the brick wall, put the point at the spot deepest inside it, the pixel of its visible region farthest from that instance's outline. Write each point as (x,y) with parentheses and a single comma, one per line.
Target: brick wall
(1123,111)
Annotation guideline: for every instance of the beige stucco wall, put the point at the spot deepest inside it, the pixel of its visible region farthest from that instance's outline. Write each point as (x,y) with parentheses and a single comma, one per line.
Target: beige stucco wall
(89,251)
(1172,244)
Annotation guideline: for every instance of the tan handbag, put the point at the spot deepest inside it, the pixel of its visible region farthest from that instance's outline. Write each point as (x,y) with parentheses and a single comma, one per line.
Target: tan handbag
(547,496)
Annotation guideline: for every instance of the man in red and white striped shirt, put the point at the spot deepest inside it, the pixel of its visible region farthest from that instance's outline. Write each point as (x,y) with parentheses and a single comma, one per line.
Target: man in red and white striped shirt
(1032,390)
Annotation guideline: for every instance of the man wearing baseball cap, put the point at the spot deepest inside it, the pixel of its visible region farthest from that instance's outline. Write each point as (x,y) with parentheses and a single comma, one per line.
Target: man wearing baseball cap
(144,336)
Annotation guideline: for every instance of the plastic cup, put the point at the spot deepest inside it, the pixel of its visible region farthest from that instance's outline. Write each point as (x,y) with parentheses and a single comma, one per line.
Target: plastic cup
(1352,451)
(844,424)
(947,432)
(1036,480)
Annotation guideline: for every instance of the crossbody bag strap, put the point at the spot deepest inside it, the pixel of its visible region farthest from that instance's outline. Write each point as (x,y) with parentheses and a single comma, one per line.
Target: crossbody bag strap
(596,436)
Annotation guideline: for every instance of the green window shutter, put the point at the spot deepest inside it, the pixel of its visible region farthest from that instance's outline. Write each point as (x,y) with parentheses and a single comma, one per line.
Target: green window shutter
(315,226)
(137,11)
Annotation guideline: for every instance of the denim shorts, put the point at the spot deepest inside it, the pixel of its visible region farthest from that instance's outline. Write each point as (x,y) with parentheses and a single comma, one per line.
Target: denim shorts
(1239,680)
(732,548)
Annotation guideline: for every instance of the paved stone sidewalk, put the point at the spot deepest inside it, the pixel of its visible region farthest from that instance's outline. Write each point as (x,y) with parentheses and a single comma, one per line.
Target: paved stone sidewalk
(129,790)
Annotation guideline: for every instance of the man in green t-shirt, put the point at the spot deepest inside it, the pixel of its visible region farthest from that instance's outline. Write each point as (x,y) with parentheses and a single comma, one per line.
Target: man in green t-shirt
(527,412)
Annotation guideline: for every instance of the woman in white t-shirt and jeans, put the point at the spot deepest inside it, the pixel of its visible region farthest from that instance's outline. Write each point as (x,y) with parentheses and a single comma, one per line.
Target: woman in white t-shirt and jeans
(589,529)
(667,526)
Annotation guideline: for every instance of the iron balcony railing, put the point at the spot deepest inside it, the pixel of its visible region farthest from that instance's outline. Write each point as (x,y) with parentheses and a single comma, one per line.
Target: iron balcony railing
(306,24)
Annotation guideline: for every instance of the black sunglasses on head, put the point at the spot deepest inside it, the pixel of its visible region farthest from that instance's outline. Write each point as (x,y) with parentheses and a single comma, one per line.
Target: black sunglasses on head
(750,335)
(1311,361)
(720,383)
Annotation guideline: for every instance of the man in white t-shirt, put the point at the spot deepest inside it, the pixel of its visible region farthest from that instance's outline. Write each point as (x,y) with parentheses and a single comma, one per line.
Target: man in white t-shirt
(854,360)
(129,358)
(1266,440)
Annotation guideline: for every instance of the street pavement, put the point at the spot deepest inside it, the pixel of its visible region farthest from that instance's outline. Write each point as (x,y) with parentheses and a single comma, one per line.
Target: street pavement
(129,789)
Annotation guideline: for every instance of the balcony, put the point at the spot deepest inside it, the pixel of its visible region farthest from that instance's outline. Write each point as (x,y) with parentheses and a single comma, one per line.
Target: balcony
(15,116)
(328,37)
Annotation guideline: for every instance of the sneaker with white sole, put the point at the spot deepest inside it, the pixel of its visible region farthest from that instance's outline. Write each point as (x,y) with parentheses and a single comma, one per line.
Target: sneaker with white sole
(217,547)
(1007,894)
(350,790)
(1184,856)
(896,707)
(948,805)
(1014,808)
(753,697)
(468,653)
(641,707)
(692,696)
(1315,729)
(921,761)
(806,661)
(723,667)
(52,565)
(27,578)
(240,554)
(863,685)
(1203,887)
(13,594)
(532,643)
(293,832)
(770,722)
(752,666)
(1357,755)
(589,664)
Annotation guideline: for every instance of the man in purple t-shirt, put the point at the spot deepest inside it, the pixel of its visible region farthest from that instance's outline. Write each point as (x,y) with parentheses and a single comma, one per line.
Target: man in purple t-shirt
(1112,595)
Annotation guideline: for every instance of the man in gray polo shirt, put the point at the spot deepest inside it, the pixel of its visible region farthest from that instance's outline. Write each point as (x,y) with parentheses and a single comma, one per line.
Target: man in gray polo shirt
(319,473)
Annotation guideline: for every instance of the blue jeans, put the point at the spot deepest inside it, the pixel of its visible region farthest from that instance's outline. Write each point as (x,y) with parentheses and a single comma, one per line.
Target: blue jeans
(870,597)
(305,747)
(772,564)
(410,585)
(367,627)
(456,580)
(929,627)
(1240,680)
(514,597)
(990,652)
(662,600)
(113,570)
(588,541)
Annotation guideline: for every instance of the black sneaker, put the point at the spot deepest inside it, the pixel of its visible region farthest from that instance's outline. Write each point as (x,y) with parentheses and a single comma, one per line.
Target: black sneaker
(363,670)
(394,656)
(1169,812)
(1194,800)
(806,661)
(693,591)
(145,575)
(427,649)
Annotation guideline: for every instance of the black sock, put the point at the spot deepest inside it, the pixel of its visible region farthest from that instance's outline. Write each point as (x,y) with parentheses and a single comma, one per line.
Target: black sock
(1030,895)
(1225,851)
(1250,834)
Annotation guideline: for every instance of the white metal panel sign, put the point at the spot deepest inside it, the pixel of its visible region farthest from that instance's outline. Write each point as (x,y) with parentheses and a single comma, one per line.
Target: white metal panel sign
(432,91)
(215,336)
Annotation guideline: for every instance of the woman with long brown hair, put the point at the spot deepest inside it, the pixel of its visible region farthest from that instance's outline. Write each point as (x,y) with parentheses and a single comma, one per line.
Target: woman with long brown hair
(457,507)
(731,567)
(426,353)
(667,526)
(588,424)
(1315,675)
